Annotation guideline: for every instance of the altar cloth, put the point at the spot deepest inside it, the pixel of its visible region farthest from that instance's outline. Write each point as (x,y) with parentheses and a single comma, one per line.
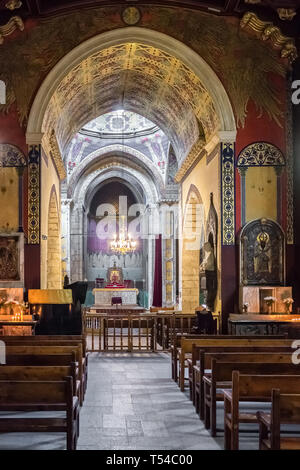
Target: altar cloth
(104,296)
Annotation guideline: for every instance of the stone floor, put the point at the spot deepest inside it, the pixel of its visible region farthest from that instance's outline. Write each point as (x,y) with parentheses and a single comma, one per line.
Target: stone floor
(132,403)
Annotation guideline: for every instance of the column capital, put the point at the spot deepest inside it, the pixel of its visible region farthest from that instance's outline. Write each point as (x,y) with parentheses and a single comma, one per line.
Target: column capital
(33,138)
(227,136)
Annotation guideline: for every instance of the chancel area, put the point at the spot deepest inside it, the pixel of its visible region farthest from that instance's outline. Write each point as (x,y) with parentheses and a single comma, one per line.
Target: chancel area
(149,225)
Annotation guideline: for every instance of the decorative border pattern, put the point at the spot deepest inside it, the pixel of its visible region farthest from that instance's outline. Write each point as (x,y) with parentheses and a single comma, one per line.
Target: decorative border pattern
(34,194)
(11,157)
(290,167)
(228,193)
(260,154)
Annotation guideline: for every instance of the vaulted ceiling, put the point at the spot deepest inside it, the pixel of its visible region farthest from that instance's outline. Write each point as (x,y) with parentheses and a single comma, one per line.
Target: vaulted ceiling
(138,78)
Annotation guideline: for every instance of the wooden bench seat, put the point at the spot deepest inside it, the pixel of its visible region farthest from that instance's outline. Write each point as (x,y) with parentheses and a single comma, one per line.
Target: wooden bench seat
(229,354)
(30,395)
(220,377)
(187,345)
(49,340)
(37,349)
(42,373)
(251,388)
(285,409)
(176,345)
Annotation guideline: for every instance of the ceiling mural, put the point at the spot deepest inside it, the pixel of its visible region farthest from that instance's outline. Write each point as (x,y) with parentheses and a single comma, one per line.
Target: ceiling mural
(139,134)
(243,61)
(119,122)
(135,77)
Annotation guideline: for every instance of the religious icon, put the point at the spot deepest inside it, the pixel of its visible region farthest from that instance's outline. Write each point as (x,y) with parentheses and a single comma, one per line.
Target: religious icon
(262,253)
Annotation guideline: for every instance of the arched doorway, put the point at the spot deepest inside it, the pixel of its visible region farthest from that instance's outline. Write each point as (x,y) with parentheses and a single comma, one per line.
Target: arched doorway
(54,275)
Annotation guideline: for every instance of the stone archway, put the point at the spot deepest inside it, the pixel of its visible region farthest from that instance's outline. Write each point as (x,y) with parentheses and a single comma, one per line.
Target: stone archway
(193,226)
(54,275)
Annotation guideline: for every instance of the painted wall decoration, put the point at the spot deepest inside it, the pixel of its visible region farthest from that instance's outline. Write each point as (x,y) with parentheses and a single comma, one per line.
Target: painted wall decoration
(9,259)
(34,160)
(260,166)
(228,193)
(220,41)
(124,128)
(262,253)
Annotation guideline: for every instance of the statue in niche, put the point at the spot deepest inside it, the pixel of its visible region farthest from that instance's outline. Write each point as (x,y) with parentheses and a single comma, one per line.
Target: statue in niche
(208,266)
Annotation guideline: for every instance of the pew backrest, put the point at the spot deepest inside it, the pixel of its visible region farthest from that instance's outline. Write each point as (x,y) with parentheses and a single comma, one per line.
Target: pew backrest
(34,392)
(222,371)
(40,359)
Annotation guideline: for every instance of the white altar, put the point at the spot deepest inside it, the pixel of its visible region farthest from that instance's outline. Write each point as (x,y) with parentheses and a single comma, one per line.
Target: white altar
(104,296)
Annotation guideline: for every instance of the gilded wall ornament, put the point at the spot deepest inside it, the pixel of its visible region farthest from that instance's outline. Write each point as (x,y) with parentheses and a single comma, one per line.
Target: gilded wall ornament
(286,13)
(131,15)
(13,4)
(14,23)
(268,32)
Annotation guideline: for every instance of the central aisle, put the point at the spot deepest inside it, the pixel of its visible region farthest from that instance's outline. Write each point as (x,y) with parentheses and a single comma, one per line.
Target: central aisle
(132,403)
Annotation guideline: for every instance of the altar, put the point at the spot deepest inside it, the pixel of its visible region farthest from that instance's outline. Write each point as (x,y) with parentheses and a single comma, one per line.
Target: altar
(104,296)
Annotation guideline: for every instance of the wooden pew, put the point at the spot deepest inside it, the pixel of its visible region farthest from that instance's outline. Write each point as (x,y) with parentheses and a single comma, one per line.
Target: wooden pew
(221,353)
(42,373)
(28,349)
(52,340)
(176,345)
(30,395)
(221,376)
(187,345)
(285,410)
(251,388)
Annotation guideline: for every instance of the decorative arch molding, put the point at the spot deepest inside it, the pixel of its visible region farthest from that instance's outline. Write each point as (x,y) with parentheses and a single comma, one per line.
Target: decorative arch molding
(114,170)
(123,154)
(130,182)
(135,35)
(11,157)
(260,154)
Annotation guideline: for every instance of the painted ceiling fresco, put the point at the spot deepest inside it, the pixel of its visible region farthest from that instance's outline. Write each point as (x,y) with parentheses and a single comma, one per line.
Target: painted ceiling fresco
(119,122)
(245,62)
(138,78)
(121,128)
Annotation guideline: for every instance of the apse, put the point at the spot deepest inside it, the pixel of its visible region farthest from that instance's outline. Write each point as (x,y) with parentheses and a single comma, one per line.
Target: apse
(105,221)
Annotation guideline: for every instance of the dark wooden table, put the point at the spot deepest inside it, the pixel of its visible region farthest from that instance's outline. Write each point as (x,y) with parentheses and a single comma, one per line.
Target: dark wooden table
(244,324)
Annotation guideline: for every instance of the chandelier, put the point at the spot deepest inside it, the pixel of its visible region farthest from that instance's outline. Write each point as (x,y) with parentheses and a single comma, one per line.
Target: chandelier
(123,245)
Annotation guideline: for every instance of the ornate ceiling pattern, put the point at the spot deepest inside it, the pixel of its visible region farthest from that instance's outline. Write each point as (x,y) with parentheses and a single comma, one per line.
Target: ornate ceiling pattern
(139,78)
(243,62)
